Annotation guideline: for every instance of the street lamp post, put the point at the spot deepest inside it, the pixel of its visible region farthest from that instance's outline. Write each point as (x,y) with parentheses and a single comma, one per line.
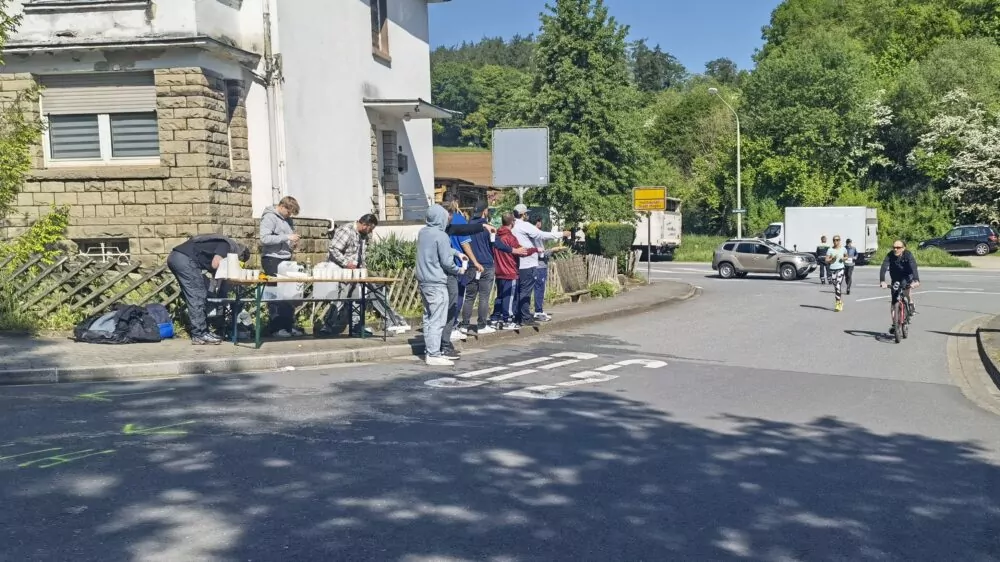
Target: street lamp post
(739,191)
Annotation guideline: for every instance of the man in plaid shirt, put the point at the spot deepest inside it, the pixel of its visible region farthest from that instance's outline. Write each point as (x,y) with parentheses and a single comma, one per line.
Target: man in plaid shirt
(347,251)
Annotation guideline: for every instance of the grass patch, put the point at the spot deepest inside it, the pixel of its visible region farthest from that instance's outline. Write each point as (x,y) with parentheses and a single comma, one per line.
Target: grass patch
(698,248)
(936,257)
(603,289)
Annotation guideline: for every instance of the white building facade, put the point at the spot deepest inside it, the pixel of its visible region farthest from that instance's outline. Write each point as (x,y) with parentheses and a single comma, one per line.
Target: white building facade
(211,110)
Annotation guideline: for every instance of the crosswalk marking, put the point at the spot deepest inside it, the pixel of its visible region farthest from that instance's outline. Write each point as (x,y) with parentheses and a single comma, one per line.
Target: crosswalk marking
(544,391)
(482,372)
(512,375)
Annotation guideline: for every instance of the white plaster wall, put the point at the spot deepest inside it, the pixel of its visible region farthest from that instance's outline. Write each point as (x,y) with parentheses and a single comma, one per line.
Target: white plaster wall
(170,18)
(133,60)
(329,69)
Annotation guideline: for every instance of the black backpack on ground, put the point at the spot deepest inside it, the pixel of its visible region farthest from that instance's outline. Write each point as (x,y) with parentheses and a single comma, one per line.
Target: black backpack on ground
(125,324)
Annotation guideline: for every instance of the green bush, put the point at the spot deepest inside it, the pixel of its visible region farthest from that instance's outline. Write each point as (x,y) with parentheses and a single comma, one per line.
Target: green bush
(697,248)
(603,289)
(936,257)
(391,254)
(609,239)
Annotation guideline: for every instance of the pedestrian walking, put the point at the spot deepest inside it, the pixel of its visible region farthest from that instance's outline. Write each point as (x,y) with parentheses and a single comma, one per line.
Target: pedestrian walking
(849,262)
(824,267)
(277,243)
(436,262)
(462,244)
(835,257)
(189,262)
(480,277)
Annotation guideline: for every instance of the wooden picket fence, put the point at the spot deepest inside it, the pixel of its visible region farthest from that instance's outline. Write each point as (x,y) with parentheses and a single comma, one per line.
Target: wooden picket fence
(85,285)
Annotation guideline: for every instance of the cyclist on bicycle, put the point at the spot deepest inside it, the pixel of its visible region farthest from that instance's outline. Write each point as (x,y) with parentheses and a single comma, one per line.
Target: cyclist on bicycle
(902,268)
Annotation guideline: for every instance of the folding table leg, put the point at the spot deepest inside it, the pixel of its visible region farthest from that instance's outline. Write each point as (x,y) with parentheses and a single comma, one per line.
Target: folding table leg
(259,297)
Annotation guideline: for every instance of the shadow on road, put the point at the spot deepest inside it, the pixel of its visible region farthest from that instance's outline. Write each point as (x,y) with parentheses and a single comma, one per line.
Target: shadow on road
(383,470)
(877,336)
(817,307)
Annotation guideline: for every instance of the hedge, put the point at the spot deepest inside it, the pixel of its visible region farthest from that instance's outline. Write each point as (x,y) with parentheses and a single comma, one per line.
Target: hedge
(609,239)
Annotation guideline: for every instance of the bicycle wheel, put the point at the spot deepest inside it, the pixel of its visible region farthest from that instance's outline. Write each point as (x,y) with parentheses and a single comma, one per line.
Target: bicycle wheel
(897,322)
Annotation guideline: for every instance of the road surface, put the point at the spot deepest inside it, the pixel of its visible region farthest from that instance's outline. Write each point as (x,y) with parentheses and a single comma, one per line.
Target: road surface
(751,423)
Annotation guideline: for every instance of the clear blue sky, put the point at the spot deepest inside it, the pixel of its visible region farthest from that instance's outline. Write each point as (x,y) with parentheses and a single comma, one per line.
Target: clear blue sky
(694,31)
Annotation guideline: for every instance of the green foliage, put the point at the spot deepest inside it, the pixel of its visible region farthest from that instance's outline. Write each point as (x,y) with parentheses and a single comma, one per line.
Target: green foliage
(696,248)
(654,70)
(501,95)
(19,132)
(609,239)
(581,91)
(10,319)
(936,257)
(44,237)
(724,71)
(603,289)
(391,254)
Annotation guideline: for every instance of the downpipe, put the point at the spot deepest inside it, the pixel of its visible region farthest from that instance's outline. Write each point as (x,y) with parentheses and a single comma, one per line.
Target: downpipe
(271,76)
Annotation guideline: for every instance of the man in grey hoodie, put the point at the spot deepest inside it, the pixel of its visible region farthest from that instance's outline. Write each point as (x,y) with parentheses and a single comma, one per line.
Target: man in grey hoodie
(435,262)
(277,241)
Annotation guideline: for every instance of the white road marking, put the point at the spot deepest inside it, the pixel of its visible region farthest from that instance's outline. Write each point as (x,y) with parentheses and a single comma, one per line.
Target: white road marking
(558,364)
(527,362)
(647,363)
(961,289)
(482,372)
(945,292)
(449,382)
(607,368)
(515,374)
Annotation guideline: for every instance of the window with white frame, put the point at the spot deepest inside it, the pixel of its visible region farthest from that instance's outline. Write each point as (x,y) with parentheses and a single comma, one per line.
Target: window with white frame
(100,118)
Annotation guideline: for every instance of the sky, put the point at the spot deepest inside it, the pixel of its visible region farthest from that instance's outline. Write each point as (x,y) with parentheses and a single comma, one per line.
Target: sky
(694,31)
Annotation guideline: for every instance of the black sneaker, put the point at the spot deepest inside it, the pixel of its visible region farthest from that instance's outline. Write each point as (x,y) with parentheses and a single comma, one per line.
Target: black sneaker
(450,353)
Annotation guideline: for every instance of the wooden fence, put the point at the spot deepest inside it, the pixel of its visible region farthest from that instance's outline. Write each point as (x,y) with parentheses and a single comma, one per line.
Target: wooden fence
(84,285)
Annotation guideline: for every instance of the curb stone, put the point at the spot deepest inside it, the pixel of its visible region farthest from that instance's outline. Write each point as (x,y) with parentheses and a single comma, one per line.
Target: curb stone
(229,365)
(971,367)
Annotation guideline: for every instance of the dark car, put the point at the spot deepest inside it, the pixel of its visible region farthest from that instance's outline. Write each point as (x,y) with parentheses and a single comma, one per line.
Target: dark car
(979,239)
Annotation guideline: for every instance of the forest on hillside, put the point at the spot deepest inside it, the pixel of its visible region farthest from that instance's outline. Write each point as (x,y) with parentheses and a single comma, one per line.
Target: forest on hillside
(887,103)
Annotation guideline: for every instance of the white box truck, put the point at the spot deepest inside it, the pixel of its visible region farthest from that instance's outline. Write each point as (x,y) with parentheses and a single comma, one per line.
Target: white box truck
(666,231)
(804,226)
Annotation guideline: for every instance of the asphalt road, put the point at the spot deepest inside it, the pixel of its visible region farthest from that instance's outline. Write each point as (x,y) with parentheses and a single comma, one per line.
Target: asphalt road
(752,423)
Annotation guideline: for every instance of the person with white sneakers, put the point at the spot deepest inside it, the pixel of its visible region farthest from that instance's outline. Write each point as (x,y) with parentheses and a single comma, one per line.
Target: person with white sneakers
(436,264)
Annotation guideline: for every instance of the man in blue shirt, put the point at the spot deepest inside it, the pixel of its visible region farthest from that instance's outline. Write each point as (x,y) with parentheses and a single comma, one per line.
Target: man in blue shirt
(462,244)
(479,280)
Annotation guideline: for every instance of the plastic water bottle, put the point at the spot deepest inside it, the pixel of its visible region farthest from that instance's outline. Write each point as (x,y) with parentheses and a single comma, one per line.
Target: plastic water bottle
(309,270)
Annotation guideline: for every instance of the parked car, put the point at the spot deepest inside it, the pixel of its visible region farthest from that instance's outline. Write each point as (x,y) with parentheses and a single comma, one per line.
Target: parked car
(740,257)
(972,238)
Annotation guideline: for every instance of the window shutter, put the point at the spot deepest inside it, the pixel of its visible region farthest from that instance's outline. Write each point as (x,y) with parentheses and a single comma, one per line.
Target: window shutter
(99,92)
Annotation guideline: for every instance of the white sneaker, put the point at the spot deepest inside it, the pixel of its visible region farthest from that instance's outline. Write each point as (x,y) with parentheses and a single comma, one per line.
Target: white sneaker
(457,335)
(542,317)
(297,332)
(465,330)
(511,326)
(486,330)
(282,334)
(439,361)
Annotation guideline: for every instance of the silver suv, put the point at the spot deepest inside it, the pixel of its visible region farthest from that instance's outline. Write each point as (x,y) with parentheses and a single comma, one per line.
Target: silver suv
(738,258)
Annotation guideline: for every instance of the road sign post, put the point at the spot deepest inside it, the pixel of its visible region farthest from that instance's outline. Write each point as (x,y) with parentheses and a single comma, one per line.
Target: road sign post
(649,199)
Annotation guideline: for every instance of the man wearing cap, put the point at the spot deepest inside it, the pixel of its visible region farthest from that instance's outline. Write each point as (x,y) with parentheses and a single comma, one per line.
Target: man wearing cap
(479,279)
(529,236)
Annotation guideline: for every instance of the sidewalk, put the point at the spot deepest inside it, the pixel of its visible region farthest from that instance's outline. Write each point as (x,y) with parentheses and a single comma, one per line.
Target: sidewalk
(973,357)
(55,360)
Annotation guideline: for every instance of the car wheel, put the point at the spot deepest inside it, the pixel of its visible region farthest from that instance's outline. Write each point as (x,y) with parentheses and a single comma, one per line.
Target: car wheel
(788,272)
(726,270)
(982,249)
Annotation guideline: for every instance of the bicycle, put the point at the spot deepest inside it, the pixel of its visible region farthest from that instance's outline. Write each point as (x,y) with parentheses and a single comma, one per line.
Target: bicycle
(901,311)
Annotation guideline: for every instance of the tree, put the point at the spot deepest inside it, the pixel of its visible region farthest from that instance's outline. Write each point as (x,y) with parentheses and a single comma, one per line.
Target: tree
(581,91)
(654,70)
(723,71)
(19,128)
(451,87)
(961,153)
(502,96)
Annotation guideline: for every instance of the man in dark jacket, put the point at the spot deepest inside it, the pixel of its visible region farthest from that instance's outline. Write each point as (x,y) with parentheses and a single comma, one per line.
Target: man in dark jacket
(189,262)
(902,267)
(824,268)
(480,283)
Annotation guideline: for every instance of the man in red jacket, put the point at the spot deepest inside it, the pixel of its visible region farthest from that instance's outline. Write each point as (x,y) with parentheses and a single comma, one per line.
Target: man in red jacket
(506,250)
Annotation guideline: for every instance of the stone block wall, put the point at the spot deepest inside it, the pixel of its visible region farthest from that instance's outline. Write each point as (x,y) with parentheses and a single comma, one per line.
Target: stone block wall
(202,184)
